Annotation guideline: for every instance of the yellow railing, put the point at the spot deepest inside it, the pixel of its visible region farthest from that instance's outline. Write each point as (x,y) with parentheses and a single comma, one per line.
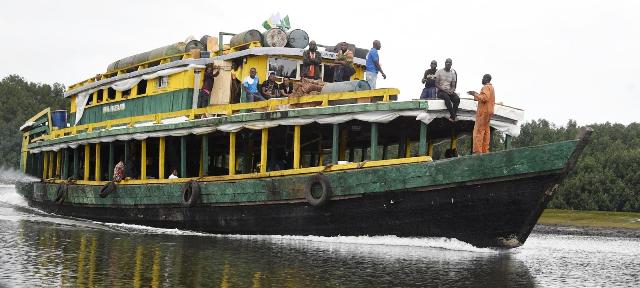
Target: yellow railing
(281,173)
(224,109)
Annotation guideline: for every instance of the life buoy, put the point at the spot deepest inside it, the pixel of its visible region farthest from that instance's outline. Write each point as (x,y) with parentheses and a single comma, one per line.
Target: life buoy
(61,193)
(317,190)
(108,189)
(190,193)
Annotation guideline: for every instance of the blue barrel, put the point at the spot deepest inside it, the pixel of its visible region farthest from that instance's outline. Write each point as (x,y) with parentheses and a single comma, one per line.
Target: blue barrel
(59,118)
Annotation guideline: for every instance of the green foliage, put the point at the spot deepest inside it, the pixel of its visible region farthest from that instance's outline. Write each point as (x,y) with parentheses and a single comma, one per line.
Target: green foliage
(607,176)
(21,100)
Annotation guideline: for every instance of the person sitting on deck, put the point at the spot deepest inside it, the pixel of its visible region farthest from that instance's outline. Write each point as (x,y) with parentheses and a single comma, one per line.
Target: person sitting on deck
(311,60)
(486,102)
(446,81)
(269,88)
(204,96)
(118,171)
(286,88)
(174,174)
(429,81)
(250,85)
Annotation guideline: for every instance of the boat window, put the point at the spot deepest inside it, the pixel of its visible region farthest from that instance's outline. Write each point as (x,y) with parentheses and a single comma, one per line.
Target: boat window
(142,87)
(126,93)
(284,67)
(111,94)
(162,82)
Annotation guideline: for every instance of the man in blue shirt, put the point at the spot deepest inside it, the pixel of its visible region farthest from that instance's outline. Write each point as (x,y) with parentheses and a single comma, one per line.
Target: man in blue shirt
(250,85)
(373,65)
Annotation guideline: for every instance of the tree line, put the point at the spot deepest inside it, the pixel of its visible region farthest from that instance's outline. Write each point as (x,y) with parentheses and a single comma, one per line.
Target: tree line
(607,176)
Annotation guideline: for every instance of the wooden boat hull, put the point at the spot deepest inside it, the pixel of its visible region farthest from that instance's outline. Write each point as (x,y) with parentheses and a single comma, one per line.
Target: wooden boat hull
(489,200)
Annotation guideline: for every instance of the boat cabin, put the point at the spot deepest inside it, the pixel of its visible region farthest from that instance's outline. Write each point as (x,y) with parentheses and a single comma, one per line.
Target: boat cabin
(146,116)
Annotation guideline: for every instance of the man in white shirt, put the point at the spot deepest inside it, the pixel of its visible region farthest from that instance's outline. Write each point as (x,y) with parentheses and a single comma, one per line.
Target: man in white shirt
(446,81)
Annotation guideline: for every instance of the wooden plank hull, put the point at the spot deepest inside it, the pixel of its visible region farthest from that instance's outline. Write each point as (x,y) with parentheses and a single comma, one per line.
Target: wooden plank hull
(488,200)
(494,214)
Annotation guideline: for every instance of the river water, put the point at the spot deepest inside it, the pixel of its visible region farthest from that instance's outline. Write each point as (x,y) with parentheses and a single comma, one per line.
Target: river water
(44,250)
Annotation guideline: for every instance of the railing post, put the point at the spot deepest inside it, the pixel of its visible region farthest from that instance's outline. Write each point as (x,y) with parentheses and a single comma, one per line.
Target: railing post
(205,155)
(87,161)
(59,163)
(45,164)
(161,152)
(183,156)
(263,150)
(454,138)
(111,160)
(507,142)
(52,155)
(374,141)
(335,145)
(143,159)
(296,147)
(65,164)
(423,139)
(232,153)
(76,163)
(97,170)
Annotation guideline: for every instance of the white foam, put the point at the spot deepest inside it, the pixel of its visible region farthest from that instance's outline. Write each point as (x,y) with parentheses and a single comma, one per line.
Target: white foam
(588,244)
(9,195)
(10,176)
(427,242)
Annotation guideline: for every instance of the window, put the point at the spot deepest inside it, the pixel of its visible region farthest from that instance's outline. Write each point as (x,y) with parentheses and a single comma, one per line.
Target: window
(142,87)
(284,67)
(163,82)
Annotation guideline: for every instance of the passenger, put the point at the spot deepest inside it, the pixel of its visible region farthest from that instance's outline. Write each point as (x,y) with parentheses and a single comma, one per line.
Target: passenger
(311,60)
(344,61)
(235,84)
(204,96)
(118,171)
(130,167)
(446,81)
(486,102)
(269,88)
(373,65)
(429,81)
(250,85)
(286,88)
(174,174)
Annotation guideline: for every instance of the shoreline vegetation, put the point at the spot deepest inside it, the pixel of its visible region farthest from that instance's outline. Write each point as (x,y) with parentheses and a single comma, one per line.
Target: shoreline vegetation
(589,223)
(598,219)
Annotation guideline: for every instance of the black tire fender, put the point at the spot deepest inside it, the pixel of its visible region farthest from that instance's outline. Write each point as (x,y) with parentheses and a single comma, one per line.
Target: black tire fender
(314,196)
(191,193)
(61,193)
(108,189)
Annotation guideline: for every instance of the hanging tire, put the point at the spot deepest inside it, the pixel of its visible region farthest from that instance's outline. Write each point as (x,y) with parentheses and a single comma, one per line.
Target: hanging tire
(108,189)
(317,190)
(190,193)
(61,193)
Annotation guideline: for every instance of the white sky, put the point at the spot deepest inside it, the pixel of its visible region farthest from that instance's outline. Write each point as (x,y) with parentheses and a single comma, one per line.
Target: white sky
(558,60)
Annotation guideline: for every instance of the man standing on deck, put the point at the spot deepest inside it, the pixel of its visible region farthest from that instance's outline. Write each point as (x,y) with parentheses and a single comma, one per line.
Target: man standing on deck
(429,81)
(344,61)
(486,101)
(373,65)
(210,72)
(446,81)
(311,60)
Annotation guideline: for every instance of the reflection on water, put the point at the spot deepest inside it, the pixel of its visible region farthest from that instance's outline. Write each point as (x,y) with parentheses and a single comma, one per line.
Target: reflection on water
(41,250)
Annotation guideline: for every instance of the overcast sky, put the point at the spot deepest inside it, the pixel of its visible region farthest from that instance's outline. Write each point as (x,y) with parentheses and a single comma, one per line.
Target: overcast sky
(557,60)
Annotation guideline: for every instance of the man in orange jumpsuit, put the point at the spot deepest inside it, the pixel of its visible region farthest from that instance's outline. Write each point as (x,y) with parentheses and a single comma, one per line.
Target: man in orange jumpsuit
(486,100)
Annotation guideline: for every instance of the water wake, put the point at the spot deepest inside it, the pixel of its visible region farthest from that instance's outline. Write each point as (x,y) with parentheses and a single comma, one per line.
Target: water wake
(10,175)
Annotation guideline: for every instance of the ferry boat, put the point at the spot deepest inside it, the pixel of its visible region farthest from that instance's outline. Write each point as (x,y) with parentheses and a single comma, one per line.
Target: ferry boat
(347,160)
